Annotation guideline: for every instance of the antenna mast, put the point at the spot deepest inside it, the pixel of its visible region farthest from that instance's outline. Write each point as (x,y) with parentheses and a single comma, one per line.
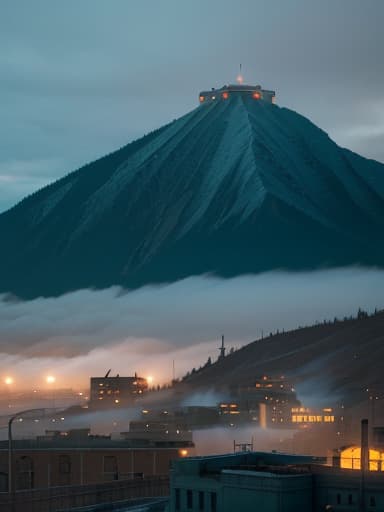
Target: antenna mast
(222,348)
(239,78)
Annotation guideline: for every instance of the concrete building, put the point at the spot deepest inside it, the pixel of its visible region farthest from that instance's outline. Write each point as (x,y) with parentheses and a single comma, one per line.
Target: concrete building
(78,458)
(242,481)
(271,482)
(107,392)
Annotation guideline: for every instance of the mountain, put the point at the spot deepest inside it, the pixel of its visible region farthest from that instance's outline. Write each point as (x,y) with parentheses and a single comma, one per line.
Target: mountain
(233,187)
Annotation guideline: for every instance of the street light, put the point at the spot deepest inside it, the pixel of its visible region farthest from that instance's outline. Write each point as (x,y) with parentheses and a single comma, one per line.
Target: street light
(50,380)
(11,484)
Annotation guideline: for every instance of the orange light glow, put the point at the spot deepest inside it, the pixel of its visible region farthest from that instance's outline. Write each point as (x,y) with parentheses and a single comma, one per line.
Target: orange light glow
(50,379)
(150,379)
(256,95)
(8,381)
(225,95)
(183,453)
(350,459)
(201,99)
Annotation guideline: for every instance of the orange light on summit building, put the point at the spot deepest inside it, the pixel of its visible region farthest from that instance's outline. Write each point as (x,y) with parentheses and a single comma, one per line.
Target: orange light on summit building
(201,99)
(225,95)
(256,95)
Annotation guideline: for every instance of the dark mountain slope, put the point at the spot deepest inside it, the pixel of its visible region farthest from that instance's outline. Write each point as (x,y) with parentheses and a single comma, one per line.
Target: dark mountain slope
(233,187)
(338,360)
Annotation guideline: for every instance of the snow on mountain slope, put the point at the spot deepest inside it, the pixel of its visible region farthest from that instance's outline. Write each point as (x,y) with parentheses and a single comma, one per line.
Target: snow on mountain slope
(232,187)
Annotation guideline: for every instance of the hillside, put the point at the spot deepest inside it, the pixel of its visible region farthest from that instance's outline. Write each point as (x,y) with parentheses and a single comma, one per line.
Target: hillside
(338,361)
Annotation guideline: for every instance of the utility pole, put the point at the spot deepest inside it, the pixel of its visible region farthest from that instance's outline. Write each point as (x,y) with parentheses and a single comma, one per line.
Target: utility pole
(11,473)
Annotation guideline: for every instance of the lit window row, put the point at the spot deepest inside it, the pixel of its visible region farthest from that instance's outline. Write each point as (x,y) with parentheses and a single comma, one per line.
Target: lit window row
(312,419)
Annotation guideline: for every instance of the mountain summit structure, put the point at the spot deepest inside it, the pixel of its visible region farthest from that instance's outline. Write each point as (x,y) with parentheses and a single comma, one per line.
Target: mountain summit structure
(239,185)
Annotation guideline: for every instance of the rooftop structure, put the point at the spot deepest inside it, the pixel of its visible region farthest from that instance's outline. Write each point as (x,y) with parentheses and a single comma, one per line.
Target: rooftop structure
(254,92)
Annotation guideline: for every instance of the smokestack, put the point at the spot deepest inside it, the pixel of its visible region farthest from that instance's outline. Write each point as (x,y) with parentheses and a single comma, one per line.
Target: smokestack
(364,461)
(364,446)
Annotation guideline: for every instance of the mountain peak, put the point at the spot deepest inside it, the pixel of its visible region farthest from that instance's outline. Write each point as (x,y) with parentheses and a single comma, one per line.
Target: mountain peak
(238,185)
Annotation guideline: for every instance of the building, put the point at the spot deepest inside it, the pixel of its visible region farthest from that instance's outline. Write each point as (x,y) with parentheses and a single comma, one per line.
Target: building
(107,392)
(253,92)
(76,457)
(242,481)
(267,402)
(271,482)
(306,416)
(180,418)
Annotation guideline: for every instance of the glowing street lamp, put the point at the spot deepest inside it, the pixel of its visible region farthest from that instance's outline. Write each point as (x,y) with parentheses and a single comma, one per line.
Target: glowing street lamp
(50,380)
(11,482)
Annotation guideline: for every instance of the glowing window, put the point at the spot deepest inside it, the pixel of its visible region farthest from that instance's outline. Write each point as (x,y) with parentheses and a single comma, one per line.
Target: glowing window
(201,99)
(350,458)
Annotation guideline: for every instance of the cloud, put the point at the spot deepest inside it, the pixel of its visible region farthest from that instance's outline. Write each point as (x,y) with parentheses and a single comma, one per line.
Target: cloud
(87,332)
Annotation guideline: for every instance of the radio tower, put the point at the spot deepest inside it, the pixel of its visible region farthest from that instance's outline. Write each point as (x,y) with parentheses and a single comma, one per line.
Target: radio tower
(240,78)
(222,348)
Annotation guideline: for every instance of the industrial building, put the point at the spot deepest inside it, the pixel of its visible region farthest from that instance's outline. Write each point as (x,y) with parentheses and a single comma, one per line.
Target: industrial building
(242,481)
(267,402)
(271,482)
(76,457)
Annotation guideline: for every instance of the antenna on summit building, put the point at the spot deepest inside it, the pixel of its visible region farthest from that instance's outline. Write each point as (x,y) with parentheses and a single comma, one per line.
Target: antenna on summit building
(222,348)
(239,78)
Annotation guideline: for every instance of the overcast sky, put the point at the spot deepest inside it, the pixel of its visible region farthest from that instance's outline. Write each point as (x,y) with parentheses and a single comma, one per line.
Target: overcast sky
(80,79)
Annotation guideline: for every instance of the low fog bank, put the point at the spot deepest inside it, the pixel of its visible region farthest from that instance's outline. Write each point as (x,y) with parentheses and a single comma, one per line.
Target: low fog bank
(87,332)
